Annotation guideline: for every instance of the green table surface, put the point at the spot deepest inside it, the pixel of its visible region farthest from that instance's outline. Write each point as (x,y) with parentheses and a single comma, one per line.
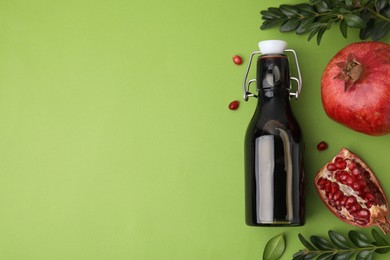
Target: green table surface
(116,141)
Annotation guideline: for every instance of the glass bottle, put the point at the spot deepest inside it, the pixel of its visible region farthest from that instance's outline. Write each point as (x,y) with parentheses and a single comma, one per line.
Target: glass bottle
(274,173)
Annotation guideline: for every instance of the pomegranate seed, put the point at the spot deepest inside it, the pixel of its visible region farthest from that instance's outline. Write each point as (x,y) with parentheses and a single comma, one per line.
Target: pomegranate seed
(343,200)
(363,214)
(234,105)
(369,197)
(338,159)
(321,181)
(355,172)
(350,181)
(334,187)
(322,146)
(350,201)
(328,188)
(352,166)
(355,207)
(338,195)
(237,60)
(331,167)
(356,186)
(341,165)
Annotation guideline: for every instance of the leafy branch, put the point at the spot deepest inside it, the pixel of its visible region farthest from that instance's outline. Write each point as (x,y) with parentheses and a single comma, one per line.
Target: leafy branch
(371,17)
(339,247)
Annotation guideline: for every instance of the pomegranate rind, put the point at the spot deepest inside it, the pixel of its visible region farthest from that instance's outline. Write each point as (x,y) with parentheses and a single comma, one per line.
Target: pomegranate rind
(365,105)
(377,212)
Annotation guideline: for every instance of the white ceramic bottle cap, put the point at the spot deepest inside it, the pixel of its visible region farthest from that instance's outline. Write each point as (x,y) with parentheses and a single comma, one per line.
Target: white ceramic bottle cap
(272,46)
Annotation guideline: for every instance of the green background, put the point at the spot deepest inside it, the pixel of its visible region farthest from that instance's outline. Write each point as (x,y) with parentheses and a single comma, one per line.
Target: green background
(116,141)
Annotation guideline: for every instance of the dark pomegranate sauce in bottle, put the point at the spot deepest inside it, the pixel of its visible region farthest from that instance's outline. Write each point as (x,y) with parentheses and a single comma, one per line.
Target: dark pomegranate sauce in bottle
(274,173)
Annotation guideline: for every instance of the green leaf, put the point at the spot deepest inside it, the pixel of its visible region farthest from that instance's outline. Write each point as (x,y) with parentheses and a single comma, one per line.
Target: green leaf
(354,21)
(267,15)
(321,243)
(380,239)
(366,32)
(305,25)
(343,255)
(289,10)
(313,33)
(338,240)
(382,250)
(325,256)
(380,29)
(322,7)
(380,4)
(274,248)
(299,255)
(364,255)
(310,255)
(270,23)
(289,25)
(276,12)
(344,28)
(306,243)
(359,239)
(305,9)
(320,34)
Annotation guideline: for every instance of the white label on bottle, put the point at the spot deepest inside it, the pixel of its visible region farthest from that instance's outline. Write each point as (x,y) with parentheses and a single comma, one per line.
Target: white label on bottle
(265,164)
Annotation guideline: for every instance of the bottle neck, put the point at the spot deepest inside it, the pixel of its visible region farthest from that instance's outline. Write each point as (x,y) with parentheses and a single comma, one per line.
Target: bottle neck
(273,74)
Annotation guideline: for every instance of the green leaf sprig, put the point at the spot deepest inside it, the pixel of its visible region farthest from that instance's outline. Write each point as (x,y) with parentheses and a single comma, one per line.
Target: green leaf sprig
(339,247)
(371,17)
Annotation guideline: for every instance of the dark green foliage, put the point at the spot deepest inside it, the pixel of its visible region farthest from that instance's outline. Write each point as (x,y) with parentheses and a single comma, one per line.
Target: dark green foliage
(338,247)
(371,17)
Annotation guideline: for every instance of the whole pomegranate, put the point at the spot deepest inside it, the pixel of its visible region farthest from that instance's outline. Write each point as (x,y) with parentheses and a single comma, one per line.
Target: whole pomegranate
(351,191)
(355,87)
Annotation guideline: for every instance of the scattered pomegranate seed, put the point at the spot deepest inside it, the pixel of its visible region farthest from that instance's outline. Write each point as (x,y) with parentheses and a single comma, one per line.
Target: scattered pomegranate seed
(237,60)
(322,146)
(234,105)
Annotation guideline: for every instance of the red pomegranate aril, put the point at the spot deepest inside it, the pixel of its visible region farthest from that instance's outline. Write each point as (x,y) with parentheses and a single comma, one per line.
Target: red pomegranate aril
(237,59)
(234,105)
(331,167)
(350,181)
(355,207)
(352,166)
(369,197)
(363,214)
(321,182)
(321,146)
(355,172)
(369,204)
(343,200)
(350,201)
(355,186)
(338,194)
(341,165)
(334,187)
(352,192)
(328,188)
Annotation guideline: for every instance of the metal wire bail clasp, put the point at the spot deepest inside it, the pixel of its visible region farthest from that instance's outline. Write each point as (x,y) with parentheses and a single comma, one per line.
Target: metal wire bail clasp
(246,84)
(266,47)
(297,93)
